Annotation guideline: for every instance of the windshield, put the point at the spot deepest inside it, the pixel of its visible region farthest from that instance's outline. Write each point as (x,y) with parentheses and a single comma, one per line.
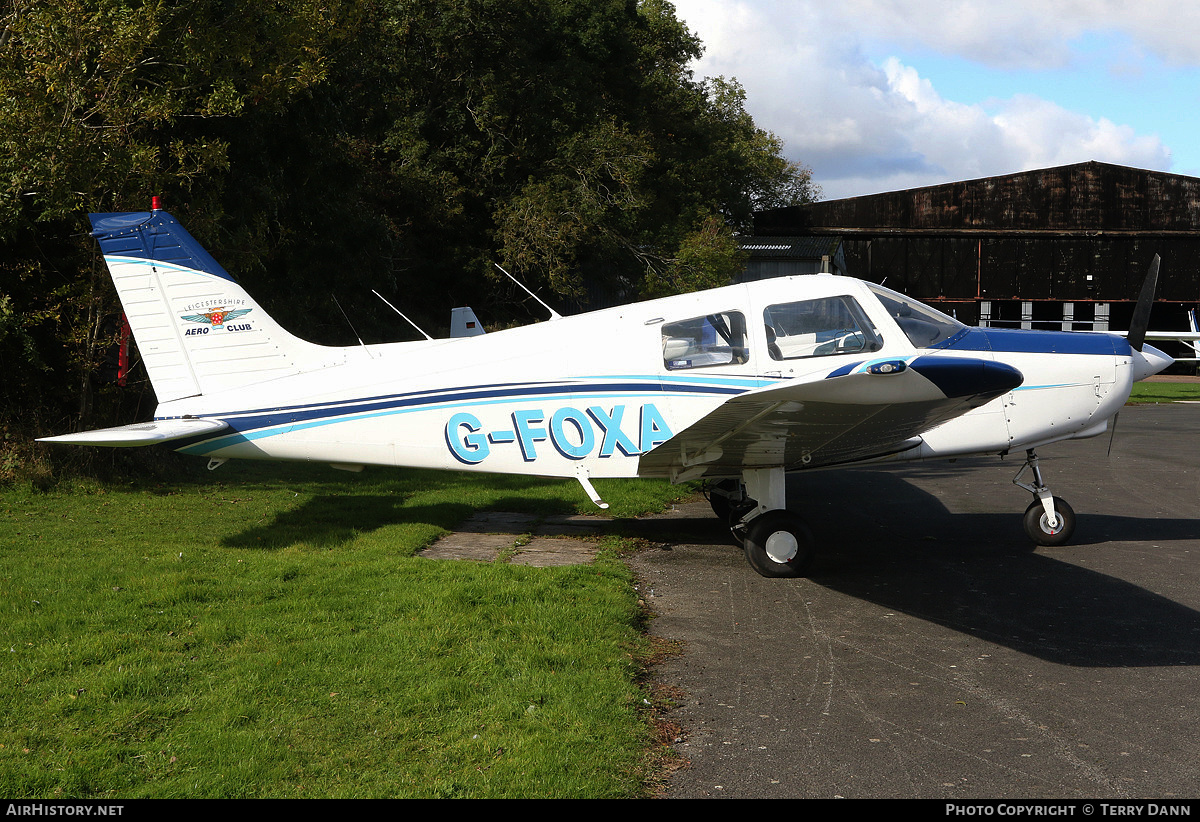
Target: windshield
(924,326)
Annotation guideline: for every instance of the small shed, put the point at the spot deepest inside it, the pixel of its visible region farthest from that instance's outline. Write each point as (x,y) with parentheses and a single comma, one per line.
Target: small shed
(785,256)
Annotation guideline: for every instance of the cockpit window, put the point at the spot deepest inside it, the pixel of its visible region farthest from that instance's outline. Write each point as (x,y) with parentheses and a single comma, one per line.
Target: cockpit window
(818,328)
(923,325)
(715,339)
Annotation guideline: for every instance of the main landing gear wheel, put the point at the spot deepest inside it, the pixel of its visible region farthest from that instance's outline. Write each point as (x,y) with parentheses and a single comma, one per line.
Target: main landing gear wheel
(718,497)
(779,544)
(1037,526)
(730,503)
(728,500)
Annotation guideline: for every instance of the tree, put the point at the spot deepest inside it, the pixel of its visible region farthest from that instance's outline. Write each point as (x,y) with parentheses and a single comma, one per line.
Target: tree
(102,104)
(569,138)
(397,145)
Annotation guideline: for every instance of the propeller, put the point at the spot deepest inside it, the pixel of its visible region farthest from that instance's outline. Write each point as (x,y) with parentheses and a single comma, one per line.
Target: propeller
(1138,326)
(1141,311)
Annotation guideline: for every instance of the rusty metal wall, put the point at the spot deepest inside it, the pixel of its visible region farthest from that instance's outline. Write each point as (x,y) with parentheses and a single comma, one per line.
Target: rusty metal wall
(1086,196)
(1080,233)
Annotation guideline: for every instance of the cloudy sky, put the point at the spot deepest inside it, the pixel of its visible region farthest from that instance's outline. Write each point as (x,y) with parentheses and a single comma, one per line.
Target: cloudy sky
(879,95)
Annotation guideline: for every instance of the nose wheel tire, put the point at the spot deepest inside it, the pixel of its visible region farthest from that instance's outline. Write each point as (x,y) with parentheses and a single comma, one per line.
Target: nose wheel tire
(1037,526)
(779,544)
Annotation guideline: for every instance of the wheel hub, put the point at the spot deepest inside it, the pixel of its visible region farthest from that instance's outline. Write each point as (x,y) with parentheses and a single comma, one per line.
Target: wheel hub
(1046,527)
(782,546)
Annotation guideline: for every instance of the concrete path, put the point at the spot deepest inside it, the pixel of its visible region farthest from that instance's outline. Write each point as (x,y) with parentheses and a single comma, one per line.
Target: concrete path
(522,539)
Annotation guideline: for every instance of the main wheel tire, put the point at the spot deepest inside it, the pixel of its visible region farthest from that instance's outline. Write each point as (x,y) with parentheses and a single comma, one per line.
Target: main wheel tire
(779,544)
(721,495)
(1038,529)
(728,501)
(737,531)
(737,528)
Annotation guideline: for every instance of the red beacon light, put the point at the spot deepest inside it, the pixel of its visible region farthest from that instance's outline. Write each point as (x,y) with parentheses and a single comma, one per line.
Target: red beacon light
(156,203)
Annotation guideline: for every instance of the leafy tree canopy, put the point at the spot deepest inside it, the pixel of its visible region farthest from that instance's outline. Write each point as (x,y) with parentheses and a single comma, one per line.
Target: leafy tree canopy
(343,145)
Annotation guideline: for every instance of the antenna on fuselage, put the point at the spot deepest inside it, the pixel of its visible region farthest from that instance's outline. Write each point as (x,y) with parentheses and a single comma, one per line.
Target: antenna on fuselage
(353,330)
(554,315)
(401,313)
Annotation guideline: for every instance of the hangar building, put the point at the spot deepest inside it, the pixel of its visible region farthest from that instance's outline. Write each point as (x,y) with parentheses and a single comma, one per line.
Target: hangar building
(1063,247)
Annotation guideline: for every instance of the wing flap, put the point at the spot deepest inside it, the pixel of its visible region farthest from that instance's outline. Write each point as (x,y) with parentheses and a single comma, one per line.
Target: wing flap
(142,433)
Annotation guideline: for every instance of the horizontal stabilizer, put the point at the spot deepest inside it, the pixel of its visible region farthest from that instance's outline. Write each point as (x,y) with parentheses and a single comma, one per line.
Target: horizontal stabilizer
(142,433)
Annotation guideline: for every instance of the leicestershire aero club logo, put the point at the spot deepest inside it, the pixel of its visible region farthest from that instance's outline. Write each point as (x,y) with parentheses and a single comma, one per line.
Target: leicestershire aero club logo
(217,316)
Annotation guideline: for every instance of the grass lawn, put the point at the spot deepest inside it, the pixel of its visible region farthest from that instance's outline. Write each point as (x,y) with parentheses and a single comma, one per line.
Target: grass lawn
(266,631)
(1152,392)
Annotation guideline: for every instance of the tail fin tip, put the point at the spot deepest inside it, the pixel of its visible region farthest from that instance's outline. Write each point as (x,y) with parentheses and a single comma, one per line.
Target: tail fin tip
(197,329)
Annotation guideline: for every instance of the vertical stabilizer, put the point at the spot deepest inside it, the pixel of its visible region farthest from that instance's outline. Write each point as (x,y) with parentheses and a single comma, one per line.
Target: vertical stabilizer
(197,330)
(464,323)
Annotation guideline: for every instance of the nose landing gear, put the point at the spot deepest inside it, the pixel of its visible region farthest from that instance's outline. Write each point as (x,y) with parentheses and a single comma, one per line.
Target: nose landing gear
(1048,520)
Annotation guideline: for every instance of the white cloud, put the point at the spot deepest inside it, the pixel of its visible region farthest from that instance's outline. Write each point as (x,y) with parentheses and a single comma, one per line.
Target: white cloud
(1015,33)
(1043,134)
(865,128)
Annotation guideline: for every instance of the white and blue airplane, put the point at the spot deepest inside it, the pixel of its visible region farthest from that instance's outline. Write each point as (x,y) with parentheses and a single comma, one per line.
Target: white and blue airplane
(1190,338)
(736,386)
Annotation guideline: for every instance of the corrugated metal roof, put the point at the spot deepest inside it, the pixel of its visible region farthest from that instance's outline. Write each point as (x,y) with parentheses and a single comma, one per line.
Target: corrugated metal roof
(1089,196)
(791,248)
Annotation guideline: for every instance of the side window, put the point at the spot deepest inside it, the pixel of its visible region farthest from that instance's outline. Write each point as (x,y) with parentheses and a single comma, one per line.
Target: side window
(715,339)
(818,328)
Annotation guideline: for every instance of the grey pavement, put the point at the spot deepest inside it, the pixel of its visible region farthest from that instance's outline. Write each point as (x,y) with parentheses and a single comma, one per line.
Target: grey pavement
(931,654)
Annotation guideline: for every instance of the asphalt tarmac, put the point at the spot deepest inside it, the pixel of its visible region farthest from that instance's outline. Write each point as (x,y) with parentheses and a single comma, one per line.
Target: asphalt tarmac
(931,653)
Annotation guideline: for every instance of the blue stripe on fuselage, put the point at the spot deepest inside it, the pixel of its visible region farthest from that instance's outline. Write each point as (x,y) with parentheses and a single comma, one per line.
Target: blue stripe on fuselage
(253,424)
(954,376)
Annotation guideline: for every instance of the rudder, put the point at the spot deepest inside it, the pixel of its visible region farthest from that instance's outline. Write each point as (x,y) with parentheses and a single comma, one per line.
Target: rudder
(197,329)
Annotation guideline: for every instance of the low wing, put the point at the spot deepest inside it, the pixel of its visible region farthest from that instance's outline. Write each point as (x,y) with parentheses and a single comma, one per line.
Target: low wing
(861,411)
(1178,336)
(142,433)
(1191,339)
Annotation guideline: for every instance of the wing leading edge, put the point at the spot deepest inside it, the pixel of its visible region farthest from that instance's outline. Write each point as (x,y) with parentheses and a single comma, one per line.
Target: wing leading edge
(861,411)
